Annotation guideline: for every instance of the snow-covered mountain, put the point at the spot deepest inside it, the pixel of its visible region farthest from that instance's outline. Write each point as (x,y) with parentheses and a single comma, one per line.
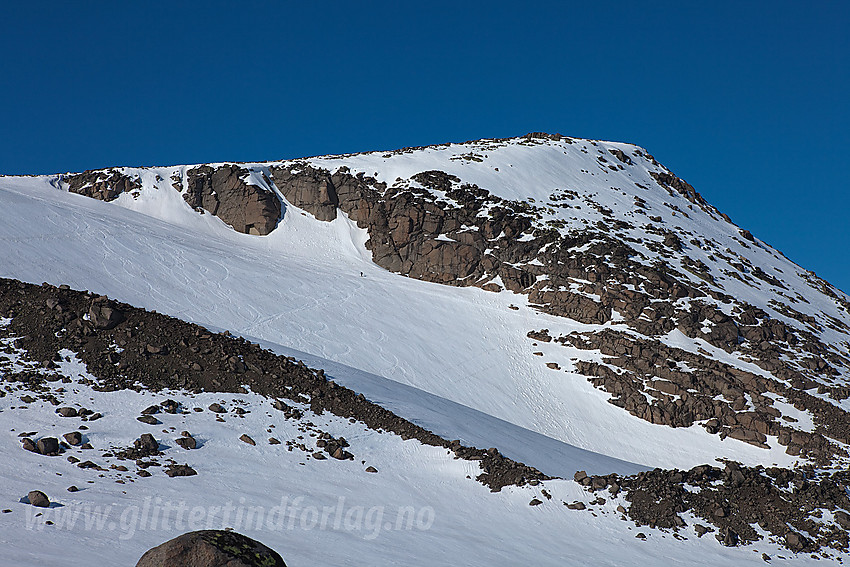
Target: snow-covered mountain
(572,303)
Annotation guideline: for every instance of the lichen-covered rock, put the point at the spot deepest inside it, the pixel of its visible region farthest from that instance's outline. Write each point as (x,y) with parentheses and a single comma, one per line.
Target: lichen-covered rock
(211,548)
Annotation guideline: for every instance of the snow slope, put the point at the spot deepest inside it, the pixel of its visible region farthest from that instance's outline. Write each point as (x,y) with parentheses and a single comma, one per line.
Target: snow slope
(420,507)
(301,287)
(454,360)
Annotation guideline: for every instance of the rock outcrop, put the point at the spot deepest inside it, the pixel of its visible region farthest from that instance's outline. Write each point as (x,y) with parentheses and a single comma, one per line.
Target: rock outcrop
(224,192)
(311,190)
(38,499)
(103,185)
(739,502)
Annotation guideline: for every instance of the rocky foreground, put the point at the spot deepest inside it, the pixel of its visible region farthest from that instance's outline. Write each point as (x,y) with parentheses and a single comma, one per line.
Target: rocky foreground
(130,348)
(803,509)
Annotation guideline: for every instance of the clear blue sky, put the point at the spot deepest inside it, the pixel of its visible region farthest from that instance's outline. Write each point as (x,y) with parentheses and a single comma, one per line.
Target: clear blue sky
(748,101)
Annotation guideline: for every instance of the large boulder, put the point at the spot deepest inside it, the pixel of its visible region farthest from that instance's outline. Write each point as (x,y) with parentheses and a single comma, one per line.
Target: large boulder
(146,445)
(39,499)
(103,313)
(48,446)
(211,548)
(187,442)
(180,470)
(74,438)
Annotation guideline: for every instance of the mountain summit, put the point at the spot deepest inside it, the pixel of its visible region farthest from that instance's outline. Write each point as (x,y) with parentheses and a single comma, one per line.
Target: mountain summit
(571,303)
(696,320)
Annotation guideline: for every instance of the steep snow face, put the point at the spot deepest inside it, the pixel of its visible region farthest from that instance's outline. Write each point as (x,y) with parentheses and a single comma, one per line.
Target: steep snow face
(301,286)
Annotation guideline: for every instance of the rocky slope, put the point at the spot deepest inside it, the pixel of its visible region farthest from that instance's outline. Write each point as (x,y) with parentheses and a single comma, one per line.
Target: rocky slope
(123,347)
(611,238)
(676,315)
(129,348)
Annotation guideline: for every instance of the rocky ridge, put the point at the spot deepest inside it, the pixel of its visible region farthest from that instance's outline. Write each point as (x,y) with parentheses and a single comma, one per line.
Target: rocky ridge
(129,348)
(804,510)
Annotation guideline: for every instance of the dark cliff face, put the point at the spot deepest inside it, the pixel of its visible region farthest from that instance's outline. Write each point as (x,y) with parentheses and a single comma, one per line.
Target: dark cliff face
(405,225)
(224,192)
(312,190)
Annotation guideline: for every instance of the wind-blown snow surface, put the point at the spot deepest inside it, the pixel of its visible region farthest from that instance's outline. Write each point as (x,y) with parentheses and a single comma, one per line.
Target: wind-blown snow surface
(301,287)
